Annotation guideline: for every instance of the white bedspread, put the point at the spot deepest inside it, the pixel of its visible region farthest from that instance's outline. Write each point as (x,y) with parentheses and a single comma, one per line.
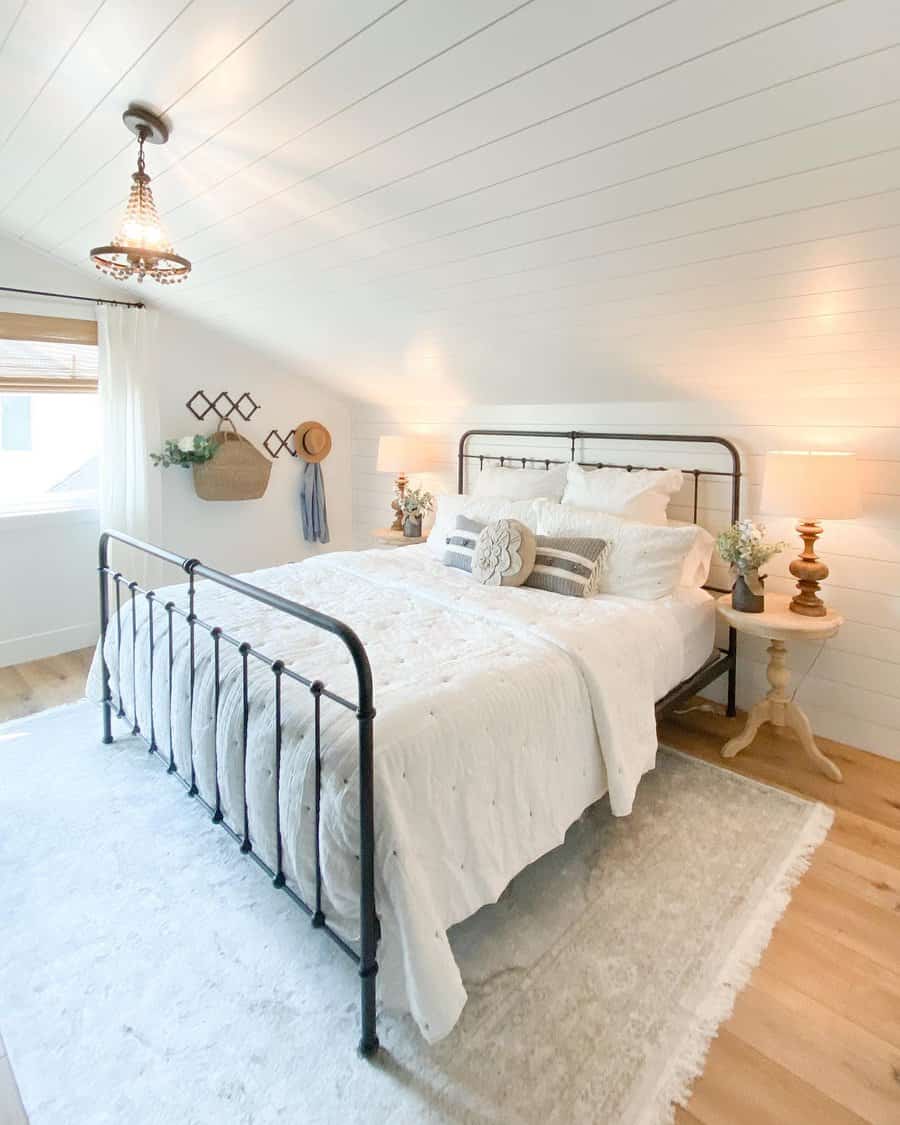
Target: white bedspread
(492,706)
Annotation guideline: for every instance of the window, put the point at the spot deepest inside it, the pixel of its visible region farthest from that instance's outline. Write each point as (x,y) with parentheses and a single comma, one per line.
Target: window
(15,423)
(49,413)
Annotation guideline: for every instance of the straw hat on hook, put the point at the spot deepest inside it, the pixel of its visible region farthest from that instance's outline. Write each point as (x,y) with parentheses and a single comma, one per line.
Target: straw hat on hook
(312,441)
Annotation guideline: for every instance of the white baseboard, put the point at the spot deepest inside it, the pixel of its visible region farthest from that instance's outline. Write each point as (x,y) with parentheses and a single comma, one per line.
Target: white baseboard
(36,646)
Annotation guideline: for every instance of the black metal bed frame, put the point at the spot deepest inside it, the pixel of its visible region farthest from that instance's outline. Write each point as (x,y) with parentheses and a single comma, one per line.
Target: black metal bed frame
(726,662)
(363,708)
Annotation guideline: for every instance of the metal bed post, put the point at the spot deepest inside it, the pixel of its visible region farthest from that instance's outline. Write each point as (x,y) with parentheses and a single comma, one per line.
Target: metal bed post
(103,573)
(117,579)
(316,688)
(170,625)
(244,651)
(216,634)
(188,567)
(135,726)
(277,672)
(369,928)
(151,597)
(731,706)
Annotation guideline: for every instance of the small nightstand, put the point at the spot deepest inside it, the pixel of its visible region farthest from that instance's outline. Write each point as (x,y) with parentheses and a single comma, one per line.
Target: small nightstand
(778,624)
(388,538)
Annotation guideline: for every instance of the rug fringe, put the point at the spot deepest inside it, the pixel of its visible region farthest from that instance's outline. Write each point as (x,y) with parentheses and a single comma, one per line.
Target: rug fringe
(687,1065)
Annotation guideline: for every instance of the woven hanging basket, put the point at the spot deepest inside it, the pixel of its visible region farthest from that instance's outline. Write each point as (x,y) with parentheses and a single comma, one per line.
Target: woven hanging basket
(239,471)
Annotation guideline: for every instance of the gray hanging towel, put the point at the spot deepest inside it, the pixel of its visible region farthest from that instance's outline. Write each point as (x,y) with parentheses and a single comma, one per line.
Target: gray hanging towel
(312,504)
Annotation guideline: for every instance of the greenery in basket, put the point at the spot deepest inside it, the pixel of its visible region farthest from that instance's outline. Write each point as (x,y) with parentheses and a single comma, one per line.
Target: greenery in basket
(415,503)
(192,449)
(744,546)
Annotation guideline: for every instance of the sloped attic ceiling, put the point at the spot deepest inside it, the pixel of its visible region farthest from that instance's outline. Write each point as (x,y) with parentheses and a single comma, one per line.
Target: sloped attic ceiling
(550,200)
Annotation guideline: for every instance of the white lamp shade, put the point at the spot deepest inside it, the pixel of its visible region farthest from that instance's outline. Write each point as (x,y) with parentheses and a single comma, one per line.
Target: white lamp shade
(404,453)
(811,486)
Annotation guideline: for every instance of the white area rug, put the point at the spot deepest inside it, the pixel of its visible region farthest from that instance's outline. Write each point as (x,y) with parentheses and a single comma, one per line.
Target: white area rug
(150,974)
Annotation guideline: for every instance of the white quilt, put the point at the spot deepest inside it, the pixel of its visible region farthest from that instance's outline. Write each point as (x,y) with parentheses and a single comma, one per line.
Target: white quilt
(492,704)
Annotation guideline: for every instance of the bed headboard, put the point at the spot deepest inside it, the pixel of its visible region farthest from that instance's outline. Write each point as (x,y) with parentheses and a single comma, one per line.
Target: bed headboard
(580,442)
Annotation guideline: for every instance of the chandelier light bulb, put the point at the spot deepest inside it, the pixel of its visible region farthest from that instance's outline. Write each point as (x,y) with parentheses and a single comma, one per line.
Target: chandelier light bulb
(140,247)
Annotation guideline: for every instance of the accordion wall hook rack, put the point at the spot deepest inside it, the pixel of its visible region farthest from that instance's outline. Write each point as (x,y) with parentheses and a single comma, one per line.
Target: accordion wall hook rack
(222,405)
(274,444)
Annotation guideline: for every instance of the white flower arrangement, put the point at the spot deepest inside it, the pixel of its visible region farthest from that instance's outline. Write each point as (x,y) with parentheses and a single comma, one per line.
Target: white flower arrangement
(743,546)
(416,502)
(192,449)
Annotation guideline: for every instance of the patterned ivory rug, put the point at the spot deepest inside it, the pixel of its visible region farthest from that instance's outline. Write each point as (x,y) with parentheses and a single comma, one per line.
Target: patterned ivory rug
(149,974)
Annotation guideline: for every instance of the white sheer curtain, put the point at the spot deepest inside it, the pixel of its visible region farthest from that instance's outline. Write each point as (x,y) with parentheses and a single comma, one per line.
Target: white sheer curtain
(130,487)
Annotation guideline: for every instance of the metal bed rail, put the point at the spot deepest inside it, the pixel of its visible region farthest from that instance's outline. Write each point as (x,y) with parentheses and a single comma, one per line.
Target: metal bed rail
(726,661)
(363,708)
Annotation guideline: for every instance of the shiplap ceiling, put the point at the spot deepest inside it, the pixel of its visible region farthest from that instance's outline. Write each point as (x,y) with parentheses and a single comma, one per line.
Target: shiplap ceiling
(550,200)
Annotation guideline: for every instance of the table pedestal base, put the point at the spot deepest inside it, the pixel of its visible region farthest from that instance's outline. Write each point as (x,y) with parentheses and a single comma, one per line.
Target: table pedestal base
(780,710)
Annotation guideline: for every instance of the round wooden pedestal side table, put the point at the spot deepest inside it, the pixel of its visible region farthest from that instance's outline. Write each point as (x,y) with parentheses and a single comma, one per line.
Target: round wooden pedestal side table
(387,537)
(778,624)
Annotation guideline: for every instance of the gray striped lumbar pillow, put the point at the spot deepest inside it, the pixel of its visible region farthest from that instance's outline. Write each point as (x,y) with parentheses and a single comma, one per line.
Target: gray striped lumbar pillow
(461,543)
(567,565)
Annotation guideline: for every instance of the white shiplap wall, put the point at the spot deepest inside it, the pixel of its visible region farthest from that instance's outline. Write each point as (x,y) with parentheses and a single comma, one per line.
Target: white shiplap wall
(853,693)
(376,191)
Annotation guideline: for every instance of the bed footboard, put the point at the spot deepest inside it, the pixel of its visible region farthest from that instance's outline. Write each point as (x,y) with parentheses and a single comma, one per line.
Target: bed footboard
(363,708)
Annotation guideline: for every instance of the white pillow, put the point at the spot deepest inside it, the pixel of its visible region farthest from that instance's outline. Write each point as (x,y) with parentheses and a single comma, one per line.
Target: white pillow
(521,484)
(644,561)
(485,510)
(640,495)
(695,571)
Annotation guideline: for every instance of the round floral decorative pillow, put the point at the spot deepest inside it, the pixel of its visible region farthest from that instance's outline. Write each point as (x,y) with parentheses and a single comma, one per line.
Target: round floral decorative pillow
(504,554)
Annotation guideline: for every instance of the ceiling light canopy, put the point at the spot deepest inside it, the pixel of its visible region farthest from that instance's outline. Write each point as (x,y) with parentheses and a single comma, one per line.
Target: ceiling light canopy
(140,247)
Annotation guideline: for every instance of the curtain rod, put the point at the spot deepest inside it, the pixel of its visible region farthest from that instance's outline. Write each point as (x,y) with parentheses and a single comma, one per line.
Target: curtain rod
(71,297)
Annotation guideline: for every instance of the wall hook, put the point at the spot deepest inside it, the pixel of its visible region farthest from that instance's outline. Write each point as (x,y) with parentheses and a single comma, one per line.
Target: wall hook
(223,405)
(274,444)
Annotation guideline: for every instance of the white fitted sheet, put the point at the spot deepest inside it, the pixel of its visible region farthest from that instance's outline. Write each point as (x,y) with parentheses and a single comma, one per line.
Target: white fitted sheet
(695,610)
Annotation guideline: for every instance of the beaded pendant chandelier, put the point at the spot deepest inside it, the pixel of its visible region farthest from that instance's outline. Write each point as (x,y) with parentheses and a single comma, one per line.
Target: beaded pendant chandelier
(140,247)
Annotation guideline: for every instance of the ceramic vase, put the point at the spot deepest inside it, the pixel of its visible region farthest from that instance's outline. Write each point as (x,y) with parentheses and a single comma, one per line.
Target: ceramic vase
(743,597)
(412,527)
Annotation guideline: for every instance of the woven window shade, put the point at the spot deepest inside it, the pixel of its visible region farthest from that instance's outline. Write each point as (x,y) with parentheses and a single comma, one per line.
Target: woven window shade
(47,354)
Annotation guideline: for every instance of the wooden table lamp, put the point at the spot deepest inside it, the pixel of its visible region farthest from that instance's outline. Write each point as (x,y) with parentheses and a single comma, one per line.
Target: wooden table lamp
(402,454)
(810,486)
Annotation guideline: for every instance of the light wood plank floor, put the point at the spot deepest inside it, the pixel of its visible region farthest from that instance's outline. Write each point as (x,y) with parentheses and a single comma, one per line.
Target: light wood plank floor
(39,684)
(815,1037)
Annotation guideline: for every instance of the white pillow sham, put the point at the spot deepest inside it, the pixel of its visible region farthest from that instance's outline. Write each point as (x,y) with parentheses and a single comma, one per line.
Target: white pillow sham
(644,560)
(486,510)
(695,571)
(642,494)
(521,484)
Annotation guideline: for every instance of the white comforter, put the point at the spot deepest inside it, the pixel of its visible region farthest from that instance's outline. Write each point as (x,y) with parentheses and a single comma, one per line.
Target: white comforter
(501,715)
